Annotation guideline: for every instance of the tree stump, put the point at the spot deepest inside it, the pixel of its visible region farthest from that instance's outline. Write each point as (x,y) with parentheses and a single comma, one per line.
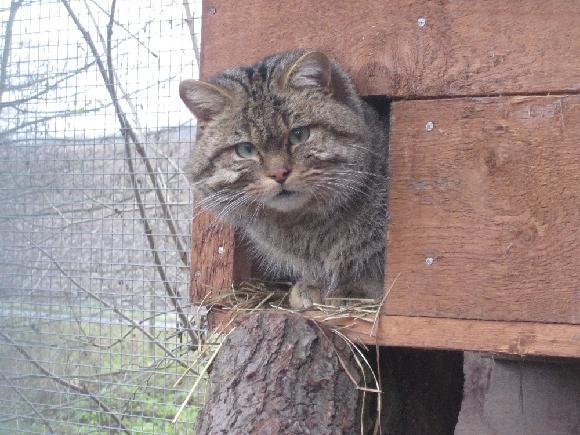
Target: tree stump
(280,373)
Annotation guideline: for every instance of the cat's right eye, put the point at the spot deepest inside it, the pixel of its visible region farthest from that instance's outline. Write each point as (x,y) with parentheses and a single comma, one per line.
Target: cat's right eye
(246,150)
(298,135)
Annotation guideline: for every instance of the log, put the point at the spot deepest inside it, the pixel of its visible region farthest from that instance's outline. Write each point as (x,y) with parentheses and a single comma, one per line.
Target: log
(282,373)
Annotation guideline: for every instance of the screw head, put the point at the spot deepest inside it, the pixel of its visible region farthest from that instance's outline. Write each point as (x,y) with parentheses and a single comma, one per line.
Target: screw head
(429,126)
(429,261)
(221,250)
(211,10)
(421,21)
(196,275)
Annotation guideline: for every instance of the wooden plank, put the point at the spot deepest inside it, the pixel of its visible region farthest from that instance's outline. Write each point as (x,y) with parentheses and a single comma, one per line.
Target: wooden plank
(218,259)
(508,338)
(464,48)
(485,209)
(212,257)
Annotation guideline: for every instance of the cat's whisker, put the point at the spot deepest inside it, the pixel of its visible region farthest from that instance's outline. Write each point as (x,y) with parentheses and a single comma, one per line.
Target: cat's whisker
(328,193)
(367,150)
(231,207)
(217,198)
(357,172)
(258,207)
(349,187)
(214,201)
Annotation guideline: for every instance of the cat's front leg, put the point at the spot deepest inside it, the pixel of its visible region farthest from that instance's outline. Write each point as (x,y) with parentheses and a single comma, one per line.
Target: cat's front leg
(303,296)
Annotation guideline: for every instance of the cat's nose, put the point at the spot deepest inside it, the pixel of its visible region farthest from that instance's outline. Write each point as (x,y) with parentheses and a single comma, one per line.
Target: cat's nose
(279,174)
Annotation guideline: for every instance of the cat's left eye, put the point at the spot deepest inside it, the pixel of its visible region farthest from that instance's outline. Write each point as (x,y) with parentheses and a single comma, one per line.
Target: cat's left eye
(298,135)
(246,150)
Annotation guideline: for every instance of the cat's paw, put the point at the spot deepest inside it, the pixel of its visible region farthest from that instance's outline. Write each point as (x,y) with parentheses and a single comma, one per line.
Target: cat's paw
(303,296)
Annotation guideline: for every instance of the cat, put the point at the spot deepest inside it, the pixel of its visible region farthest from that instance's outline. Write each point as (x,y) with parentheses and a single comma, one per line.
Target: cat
(292,157)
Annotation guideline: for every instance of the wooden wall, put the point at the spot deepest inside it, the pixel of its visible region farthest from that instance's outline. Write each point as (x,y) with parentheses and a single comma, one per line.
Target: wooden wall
(484,236)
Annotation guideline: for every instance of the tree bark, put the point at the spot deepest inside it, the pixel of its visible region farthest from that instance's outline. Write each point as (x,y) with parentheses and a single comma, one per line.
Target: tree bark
(280,373)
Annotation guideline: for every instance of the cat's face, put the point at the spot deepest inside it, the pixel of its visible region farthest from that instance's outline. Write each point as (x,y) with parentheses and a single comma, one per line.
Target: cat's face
(285,135)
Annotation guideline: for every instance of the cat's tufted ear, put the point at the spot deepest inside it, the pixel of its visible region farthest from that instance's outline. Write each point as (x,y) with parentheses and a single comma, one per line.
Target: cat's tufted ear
(312,69)
(205,100)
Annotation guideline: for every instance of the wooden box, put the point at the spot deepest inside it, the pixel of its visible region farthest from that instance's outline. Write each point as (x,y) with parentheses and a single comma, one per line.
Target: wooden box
(484,236)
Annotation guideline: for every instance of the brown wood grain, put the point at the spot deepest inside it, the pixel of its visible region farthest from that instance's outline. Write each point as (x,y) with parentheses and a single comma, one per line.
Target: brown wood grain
(492,195)
(218,259)
(512,338)
(212,257)
(465,48)
(277,373)
(506,338)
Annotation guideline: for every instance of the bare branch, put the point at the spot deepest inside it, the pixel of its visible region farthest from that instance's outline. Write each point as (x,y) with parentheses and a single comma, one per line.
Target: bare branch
(127,131)
(28,402)
(7,45)
(108,305)
(79,389)
(149,233)
(190,20)
(130,136)
(47,89)
(22,125)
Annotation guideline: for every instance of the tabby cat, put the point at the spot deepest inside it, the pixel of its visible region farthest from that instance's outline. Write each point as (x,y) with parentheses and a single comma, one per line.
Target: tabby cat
(292,157)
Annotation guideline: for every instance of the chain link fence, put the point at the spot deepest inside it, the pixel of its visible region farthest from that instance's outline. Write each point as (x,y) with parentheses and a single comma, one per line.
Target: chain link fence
(96,333)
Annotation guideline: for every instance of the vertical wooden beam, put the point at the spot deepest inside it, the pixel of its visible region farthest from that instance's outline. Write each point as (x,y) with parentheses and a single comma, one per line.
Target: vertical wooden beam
(218,259)
(212,257)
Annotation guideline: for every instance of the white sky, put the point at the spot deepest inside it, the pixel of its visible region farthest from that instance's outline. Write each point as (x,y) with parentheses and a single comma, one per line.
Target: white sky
(154,53)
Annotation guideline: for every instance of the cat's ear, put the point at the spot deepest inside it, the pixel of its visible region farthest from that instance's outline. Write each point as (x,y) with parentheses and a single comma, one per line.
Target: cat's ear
(312,69)
(205,100)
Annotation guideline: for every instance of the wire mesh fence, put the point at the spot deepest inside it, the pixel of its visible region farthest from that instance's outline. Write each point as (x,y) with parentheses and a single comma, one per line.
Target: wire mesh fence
(95,328)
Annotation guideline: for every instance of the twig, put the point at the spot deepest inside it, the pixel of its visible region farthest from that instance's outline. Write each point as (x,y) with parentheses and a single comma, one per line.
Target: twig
(28,402)
(195,385)
(190,20)
(7,45)
(79,389)
(48,87)
(130,135)
(108,305)
(132,35)
(378,313)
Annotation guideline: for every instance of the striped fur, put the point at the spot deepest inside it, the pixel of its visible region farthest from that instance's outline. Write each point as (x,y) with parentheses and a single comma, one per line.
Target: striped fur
(326,229)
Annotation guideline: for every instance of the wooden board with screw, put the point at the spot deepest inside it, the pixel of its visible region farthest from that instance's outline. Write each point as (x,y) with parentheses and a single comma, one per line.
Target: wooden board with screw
(218,259)
(484,234)
(485,209)
(409,48)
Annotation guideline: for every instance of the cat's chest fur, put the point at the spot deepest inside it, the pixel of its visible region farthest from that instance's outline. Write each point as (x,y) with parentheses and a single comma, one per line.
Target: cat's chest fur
(329,251)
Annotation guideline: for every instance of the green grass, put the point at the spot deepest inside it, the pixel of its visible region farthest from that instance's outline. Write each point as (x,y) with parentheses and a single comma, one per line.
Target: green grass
(114,362)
